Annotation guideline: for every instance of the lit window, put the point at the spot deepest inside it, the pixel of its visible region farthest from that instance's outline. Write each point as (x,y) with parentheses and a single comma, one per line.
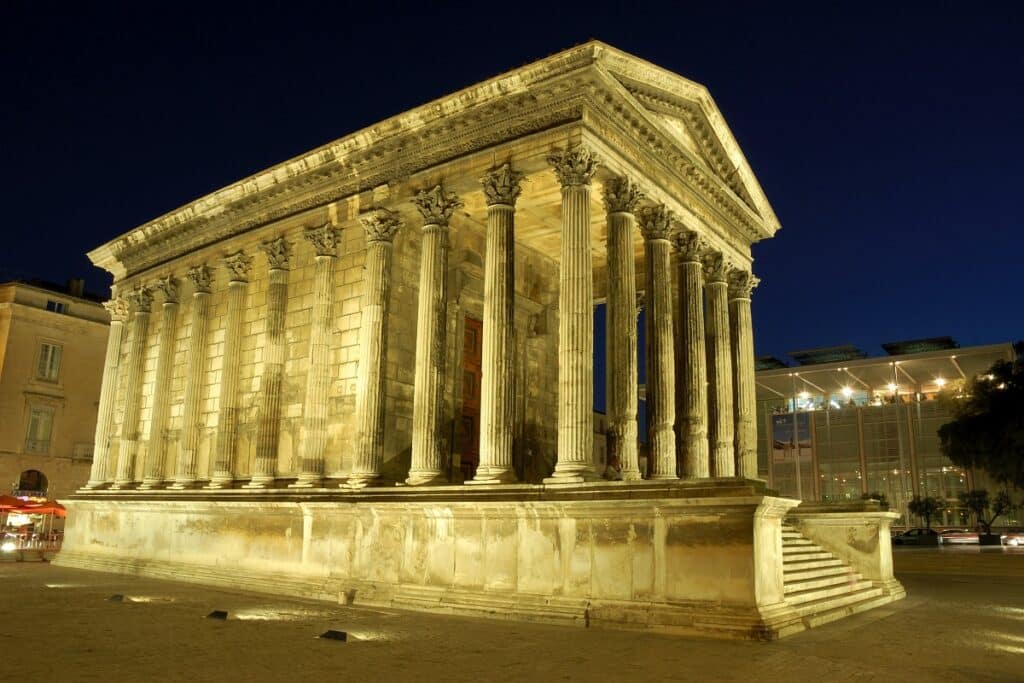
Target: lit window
(49,362)
(56,306)
(40,426)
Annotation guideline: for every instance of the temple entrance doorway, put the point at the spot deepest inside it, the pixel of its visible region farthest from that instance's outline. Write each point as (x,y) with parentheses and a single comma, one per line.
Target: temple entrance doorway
(472,357)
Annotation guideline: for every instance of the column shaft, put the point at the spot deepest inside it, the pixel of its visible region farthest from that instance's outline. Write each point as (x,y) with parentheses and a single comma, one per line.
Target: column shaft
(655,224)
(620,199)
(227,413)
(133,391)
(314,409)
(497,385)
(742,335)
(720,432)
(381,226)
(186,471)
(428,456)
(693,391)
(575,168)
(268,427)
(99,474)
(155,456)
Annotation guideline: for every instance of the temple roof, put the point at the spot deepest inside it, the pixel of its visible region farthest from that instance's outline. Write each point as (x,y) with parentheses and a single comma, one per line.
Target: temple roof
(664,116)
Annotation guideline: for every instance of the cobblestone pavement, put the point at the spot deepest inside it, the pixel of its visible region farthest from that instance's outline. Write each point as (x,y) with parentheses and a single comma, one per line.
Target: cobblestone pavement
(59,625)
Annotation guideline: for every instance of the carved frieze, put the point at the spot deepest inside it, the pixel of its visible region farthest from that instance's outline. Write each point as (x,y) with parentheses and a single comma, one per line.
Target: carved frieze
(436,205)
(574,166)
(655,222)
(278,252)
(381,225)
(621,195)
(502,185)
(201,277)
(324,239)
(238,265)
(118,309)
(742,284)
(168,286)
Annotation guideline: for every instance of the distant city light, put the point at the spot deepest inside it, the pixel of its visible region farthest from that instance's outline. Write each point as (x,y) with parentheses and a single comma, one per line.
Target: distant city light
(940,382)
(892,387)
(847,392)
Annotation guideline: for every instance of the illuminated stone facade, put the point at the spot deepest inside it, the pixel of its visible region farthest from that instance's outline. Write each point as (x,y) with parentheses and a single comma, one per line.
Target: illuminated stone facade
(328,354)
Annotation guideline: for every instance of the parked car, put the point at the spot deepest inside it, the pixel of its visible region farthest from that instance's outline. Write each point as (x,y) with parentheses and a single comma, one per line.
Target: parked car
(958,536)
(913,536)
(1013,537)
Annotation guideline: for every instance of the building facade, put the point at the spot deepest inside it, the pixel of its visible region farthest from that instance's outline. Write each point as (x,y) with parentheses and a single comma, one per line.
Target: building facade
(52,344)
(368,371)
(842,425)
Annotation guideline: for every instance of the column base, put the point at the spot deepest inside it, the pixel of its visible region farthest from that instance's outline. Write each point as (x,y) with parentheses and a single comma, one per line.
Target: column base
(631,476)
(123,485)
(362,481)
(216,483)
(307,482)
(662,477)
(572,473)
(493,476)
(260,482)
(183,485)
(150,484)
(96,485)
(426,478)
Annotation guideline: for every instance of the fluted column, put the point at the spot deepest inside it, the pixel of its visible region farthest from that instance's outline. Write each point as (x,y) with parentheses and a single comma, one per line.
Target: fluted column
(720,431)
(620,200)
(185,473)
(238,267)
(311,459)
(692,378)
(268,426)
(381,226)
(427,466)
(741,329)
(140,301)
(656,227)
(155,455)
(98,475)
(574,168)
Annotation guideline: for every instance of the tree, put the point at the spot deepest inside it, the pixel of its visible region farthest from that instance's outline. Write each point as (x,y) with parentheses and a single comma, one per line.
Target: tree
(925,507)
(978,503)
(987,430)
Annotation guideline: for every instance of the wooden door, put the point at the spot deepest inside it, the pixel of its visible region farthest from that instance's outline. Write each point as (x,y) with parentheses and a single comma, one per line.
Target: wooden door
(472,356)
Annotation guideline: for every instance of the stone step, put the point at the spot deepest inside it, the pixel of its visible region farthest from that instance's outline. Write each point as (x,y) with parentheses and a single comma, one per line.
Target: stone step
(812,553)
(821,582)
(799,563)
(851,587)
(816,614)
(820,573)
(802,543)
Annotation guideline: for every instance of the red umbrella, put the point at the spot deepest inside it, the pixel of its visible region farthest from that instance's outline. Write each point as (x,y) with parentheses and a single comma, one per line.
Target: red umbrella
(10,503)
(50,507)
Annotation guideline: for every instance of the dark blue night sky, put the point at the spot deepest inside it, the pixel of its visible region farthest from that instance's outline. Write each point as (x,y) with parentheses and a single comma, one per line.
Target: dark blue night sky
(887,136)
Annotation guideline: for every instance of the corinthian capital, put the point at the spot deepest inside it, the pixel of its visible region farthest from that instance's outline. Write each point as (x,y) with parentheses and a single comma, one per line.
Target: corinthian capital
(655,222)
(716,267)
(324,239)
(381,225)
(574,166)
(690,246)
(436,205)
(238,266)
(502,185)
(201,278)
(621,195)
(167,286)
(141,299)
(118,309)
(278,252)
(742,284)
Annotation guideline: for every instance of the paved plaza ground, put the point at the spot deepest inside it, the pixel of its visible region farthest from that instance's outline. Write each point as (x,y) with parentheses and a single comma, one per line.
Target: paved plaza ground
(963,620)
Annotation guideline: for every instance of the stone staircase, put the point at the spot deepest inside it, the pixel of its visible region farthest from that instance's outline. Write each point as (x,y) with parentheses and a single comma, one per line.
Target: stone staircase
(820,586)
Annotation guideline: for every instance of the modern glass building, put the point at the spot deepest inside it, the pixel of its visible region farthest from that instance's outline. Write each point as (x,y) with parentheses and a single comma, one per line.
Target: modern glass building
(839,424)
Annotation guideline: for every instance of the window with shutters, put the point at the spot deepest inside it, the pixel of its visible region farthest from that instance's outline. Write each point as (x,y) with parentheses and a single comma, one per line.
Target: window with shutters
(40,427)
(48,368)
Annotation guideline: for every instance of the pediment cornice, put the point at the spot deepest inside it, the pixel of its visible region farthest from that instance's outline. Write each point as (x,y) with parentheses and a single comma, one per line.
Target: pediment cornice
(535,98)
